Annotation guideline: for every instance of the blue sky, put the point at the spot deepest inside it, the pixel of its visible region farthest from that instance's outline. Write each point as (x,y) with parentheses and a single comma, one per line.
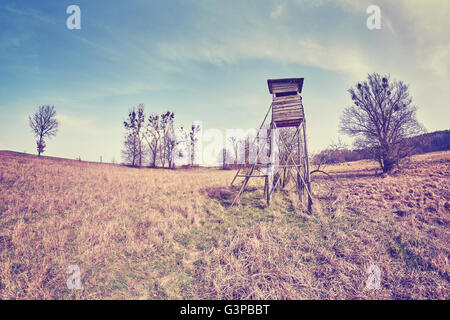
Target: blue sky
(208,61)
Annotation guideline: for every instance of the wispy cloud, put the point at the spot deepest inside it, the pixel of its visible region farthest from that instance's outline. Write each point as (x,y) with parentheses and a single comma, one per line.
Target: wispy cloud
(277,12)
(74,122)
(334,57)
(106,89)
(28,12)
(439,61)
(415,26)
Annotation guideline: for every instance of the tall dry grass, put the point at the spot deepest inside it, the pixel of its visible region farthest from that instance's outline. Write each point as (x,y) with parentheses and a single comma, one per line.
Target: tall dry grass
(161,234)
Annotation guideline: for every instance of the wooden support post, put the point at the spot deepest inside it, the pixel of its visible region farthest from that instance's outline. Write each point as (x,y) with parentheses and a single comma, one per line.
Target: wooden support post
(307,175)
(237,174)
(265,186)
(299,156)
(268,191)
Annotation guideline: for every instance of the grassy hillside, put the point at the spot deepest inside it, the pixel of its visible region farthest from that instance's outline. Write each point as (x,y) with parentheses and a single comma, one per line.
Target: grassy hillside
(160,234)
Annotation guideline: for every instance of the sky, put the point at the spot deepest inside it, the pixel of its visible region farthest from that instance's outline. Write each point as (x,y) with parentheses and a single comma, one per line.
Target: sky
(208,61)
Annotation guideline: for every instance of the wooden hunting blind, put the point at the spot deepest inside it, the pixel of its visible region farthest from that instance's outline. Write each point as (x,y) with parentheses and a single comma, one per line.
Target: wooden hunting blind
(287,111)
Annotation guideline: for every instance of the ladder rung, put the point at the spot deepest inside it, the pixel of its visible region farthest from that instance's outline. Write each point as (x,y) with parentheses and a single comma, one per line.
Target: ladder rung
(252,176)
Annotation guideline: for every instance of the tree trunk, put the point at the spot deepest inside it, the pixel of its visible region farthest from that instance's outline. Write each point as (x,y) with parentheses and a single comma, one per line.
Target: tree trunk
(39,147)
(388,165)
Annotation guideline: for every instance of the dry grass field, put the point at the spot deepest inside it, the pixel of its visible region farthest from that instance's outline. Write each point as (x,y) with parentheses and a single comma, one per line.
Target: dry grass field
(170,234)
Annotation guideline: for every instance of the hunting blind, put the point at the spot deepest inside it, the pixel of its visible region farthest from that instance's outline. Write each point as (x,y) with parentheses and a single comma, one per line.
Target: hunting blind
(287,109)
(292,165)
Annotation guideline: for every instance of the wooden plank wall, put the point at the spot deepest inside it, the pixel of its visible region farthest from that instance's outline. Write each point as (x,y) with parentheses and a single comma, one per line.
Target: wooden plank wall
(288,108)
(284,87)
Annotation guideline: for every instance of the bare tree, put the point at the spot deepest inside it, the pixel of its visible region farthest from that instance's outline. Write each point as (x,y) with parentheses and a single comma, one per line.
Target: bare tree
(193,136)
(334,153)
(238,150)
(161,139)
(153,137)
(133,142)
(171,144)
(224,159)
(130,150)
(381,118)
(44,125)
(167,137)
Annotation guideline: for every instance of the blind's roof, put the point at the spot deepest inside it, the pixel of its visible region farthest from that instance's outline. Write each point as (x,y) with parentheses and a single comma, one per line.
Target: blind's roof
(285,85)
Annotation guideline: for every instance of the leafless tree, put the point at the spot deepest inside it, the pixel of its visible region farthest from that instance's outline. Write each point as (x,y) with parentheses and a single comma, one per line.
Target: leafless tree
(238,149)
(287,135)
(134,151)
(332,154)
(44,125)
(223,158)
(168,142)
(153,137)
(130,150)
(171,144)
(193,138)
(381,118)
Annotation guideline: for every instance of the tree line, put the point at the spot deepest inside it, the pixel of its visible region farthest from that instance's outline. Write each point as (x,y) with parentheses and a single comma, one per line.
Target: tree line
(154,141)
(424,143)
(382,118)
